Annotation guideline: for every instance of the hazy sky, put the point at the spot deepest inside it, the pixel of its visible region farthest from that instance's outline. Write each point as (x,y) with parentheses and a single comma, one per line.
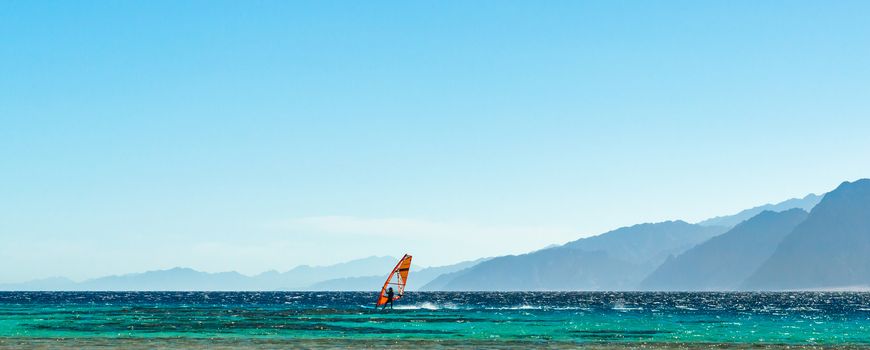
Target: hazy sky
(256,135)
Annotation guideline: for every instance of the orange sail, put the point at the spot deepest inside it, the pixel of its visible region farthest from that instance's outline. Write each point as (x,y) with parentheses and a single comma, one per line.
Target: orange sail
(397,279)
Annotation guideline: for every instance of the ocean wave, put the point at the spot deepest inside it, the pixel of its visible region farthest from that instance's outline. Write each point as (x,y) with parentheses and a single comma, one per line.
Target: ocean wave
(427,306)
(516,307)
(626,308)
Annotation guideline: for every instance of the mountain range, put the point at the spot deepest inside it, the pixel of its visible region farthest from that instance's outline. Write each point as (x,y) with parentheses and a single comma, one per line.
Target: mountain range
(828,250)
(806,204)
(725,261)
(810,243)
(418,278)
(616,260)
(771,247)
(299,278)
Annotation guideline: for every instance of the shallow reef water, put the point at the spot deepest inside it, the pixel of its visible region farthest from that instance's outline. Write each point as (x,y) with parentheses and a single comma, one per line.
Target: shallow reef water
(434,320)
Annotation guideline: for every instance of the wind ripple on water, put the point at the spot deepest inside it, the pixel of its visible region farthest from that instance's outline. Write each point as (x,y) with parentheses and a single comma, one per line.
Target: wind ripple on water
(781,318)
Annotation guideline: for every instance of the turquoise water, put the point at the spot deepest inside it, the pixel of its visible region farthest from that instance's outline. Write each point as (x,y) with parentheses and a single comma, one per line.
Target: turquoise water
(574,318)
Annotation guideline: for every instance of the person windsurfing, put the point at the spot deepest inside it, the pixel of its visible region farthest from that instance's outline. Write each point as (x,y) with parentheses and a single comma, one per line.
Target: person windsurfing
(398,278)
(389,298)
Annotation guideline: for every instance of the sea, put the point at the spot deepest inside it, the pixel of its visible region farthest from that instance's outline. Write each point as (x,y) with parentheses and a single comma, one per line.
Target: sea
(442,320)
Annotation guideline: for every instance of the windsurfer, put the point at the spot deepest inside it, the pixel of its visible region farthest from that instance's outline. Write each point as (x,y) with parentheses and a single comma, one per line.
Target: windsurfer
(389,298)
(397,278)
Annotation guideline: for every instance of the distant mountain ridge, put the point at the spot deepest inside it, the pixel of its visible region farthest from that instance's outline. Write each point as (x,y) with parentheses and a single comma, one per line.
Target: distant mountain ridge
(806,203)
(177,278)
(303,276)
(417,278)
(342,276)
(671,255)
(615,260)
(829,250)
(46,284)
(650,243)
(771,247)
(180,278)
(723,262)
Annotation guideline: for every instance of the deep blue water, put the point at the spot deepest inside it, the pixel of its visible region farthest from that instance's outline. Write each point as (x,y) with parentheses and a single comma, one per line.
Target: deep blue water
(768,318)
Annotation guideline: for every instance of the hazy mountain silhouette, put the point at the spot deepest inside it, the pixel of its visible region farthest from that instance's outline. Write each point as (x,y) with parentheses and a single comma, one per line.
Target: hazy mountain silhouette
(724,261)
(615,260)
(648,244)
(185,279)
(303,276)
(830,249)
(807,203)
(550,269)
(178,278)
(338,277)
(790,249)
(416,279)
(51,283)
(440,283)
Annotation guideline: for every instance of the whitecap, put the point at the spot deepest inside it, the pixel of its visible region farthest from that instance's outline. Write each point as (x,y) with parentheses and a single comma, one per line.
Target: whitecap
(426,306)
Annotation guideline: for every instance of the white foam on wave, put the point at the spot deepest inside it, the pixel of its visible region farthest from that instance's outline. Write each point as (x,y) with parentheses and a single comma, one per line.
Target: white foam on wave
(451,306)
(538,307)
(427,306)
(626,308)
(803,308)
(519,307)
(573,308)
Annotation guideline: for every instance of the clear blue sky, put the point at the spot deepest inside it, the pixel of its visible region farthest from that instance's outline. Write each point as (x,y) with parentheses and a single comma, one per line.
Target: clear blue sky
(256,135)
